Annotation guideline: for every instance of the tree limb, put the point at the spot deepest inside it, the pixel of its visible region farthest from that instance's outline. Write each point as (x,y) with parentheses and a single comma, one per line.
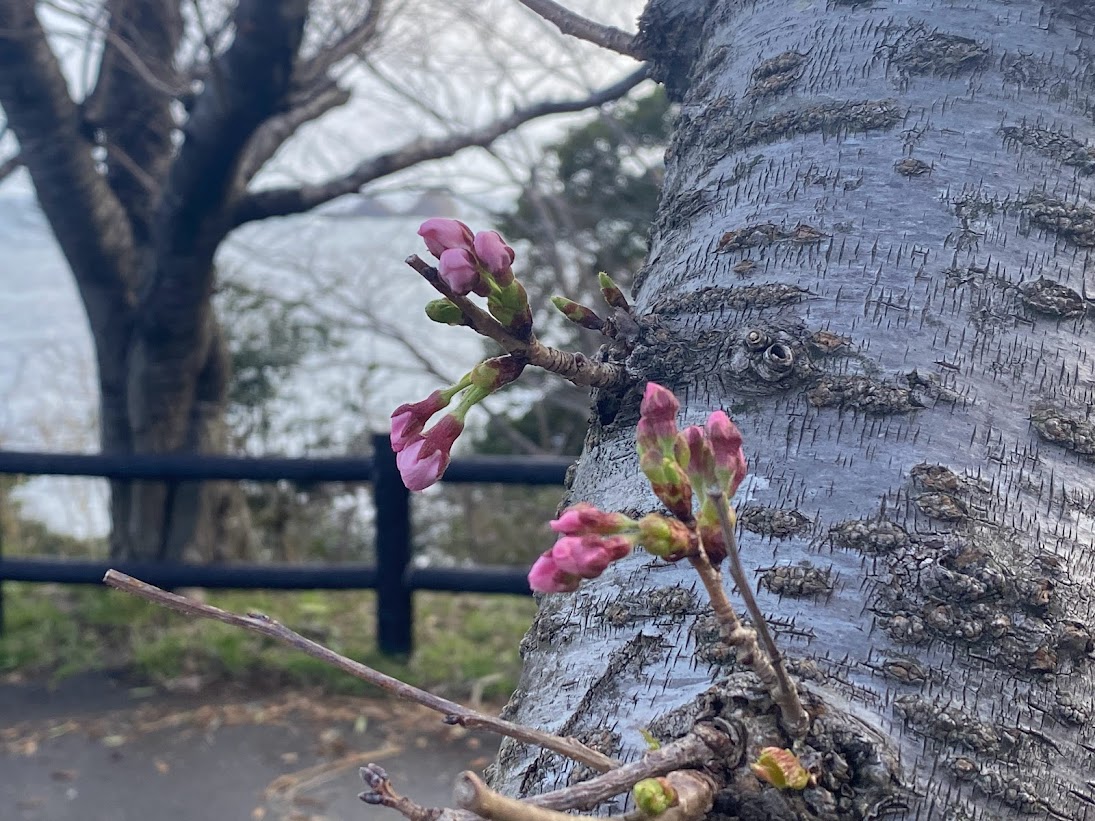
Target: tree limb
(274,132)
(248,84)
(280,202)
(455,713)
(574,25)
(130,105)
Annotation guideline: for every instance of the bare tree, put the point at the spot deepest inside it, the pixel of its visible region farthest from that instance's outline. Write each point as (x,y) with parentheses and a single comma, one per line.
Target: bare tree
(147,169)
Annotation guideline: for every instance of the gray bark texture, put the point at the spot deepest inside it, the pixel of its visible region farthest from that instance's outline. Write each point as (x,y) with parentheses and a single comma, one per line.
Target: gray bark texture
(870,250)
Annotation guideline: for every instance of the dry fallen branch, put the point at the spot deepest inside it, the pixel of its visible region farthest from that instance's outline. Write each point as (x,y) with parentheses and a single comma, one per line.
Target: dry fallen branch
(455,713)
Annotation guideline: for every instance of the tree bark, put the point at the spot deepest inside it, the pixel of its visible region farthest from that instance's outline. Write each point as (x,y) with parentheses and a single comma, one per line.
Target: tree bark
(870,250)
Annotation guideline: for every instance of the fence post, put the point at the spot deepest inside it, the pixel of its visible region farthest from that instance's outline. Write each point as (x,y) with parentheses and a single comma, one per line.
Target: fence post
(394,612)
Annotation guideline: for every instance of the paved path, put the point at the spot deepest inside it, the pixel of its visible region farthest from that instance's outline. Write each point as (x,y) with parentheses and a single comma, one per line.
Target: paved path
(90,751)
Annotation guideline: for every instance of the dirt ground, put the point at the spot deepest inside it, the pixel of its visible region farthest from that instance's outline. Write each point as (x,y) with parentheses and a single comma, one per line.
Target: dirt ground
(93,749)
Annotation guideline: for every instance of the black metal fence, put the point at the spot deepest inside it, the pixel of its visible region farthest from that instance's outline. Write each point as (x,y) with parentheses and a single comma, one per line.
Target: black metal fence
(394,576)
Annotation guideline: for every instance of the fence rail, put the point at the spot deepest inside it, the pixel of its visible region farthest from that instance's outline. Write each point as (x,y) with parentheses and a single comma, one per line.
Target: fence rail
(393,577)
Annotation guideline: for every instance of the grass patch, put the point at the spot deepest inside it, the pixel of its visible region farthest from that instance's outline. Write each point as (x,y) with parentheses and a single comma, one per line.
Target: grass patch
(464,644)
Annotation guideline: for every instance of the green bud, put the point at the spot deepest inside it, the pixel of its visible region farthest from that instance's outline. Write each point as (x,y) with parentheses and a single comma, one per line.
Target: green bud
(509,305)
(653,796)
(492,374)
(612,293)
(444,312)
(578,314)
(664,537)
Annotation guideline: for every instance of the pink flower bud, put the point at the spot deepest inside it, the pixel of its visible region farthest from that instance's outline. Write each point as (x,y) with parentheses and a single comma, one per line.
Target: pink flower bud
(693,453)
(458,270)
(583,518)
(423,460)
(546,577)
(408,420)
(657,419)
(582,556)
(726,444)
(495,255)
(442,234)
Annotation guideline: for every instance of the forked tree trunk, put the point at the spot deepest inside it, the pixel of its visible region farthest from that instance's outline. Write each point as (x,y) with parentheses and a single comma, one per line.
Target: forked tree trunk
(871,250)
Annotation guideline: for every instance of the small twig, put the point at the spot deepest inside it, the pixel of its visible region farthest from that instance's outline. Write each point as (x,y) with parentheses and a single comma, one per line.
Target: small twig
(381,794)
(578,368)
(470,793)
(695,795)
(703,744)
(455,713)
(744,640)
(574,25)
(794,714)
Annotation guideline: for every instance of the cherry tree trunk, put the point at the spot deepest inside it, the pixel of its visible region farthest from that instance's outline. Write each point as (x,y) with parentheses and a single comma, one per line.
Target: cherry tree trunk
(870,250)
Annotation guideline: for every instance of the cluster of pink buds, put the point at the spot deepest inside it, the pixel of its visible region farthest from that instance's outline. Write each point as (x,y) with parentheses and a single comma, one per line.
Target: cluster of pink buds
(678,463)
(591,539)
(423,455)
(479,263)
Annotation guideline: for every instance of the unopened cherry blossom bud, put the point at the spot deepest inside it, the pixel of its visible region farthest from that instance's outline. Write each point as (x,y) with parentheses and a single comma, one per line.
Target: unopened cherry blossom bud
(657,427)
(583,518)
(781,768)
(496,256)
(668,538)
(709,528)
(496,372)
(546,577)
(578,314)
(653,796)
(509,305)
(423,460)
(693,453)
(669,483)
(408,420)
(458,269)
(581,555)
(445,312)
(612,293)
(726,445)
(443,234)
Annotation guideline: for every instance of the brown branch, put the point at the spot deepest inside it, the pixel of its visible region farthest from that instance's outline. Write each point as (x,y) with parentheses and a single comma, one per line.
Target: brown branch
(574,25)
(695,795)
(576,367)
(470,793)
(456,713)
(280,202)
(273,134)
(795,717)
(676,759)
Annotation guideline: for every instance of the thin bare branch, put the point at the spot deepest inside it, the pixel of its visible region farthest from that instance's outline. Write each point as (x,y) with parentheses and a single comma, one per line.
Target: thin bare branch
(795,718)
(278,202)
(275,131)
(574,25)
(695,795)
(310,72)
(455,713)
